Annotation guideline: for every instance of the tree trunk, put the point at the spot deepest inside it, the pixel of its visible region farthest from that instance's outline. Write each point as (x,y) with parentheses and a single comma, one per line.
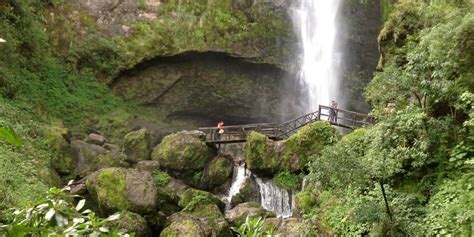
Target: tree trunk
(387,208)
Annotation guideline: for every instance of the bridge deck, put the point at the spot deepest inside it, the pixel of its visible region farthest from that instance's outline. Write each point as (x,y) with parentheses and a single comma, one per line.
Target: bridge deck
(279,131)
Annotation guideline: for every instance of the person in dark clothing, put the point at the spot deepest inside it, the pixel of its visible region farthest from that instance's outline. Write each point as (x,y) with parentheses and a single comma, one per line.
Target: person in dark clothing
(333,112)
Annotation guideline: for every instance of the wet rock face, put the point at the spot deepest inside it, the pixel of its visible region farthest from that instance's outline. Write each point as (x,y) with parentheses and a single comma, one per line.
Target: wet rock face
(209,86)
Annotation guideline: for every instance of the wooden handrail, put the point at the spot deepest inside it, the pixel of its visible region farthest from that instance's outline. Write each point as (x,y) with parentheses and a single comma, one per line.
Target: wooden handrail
(238,133)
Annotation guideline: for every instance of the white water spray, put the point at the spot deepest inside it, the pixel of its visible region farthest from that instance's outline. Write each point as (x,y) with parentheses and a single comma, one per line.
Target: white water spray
(238,180)
(315,21)
(274,198)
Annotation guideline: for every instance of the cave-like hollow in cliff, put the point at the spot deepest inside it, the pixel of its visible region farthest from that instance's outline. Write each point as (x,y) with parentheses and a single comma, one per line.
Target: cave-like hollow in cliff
(205,87)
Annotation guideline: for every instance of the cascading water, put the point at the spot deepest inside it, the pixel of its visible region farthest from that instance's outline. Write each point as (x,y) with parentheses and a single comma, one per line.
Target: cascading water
(274,198)
(315,21)
(238,179)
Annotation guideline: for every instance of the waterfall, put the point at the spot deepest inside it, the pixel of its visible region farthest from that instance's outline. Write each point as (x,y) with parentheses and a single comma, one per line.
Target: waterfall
(315,21)
(274,198)
(238,179)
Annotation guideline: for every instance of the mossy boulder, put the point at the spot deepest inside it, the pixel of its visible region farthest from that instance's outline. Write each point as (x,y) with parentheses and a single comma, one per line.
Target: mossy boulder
(204,220)
(308,141)
(249,192)
(193,197)
(238,214)
(183,154)
(218,171)
(264,156)
(260,155)
(89,158)
(136,144)
(130,222)
(56,137)
(117,189)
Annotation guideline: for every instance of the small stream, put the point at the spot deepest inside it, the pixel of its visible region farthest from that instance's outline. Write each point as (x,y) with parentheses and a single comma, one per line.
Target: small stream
(272,197)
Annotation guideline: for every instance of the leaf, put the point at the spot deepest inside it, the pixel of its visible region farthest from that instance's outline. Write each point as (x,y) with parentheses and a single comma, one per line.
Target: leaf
(80,204)
(49,214)
(104,229)
(10,136)
(113,217)
(61,220)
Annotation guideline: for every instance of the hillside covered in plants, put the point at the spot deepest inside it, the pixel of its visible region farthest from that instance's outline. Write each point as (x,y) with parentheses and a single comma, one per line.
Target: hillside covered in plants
(100,102)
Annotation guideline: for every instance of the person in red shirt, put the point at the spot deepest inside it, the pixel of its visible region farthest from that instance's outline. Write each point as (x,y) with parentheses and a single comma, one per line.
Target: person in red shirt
(220,129)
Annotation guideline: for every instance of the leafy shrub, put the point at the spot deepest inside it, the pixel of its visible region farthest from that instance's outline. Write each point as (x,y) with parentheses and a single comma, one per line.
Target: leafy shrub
(287,180)
(253,227)
(55,215)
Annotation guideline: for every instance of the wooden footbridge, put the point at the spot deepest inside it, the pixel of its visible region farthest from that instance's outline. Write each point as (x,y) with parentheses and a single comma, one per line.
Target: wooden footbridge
(279,131)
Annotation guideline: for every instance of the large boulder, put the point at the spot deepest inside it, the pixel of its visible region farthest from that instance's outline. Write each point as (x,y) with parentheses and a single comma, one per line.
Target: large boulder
(249,192)
(218,171)
(264,156)
(57,139)
(203,220)
(130,222)
(136,144)
(184,155)
(238,214)
(123,189)
(191,197)
(88,158)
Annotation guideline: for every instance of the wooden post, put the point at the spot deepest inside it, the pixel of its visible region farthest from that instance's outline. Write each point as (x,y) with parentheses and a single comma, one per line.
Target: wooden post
(319,112)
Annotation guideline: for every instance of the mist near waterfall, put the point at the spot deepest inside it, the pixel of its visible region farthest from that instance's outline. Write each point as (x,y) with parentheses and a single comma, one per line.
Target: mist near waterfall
(316,25)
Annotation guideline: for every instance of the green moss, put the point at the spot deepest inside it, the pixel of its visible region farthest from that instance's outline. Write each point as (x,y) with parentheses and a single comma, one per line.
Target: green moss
(219,170)
(185,228)
(161,178)
(193,197)
(110,189)
(181,151)
(287,180)
(259,155)
(308,141)
(136,145)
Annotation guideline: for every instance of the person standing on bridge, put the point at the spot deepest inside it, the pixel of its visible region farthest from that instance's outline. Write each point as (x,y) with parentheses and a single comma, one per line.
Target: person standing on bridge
(220,129)
(333,112)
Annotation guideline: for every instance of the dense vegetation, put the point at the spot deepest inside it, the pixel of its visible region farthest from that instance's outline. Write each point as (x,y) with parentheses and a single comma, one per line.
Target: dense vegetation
(411,174)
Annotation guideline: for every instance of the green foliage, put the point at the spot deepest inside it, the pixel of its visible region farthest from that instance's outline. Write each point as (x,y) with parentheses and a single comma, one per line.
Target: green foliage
(287,180)
(196,201)
(10,136)
(161,178)
(55,215)
(420,150)
(450,208)
(310,141)
(253,227)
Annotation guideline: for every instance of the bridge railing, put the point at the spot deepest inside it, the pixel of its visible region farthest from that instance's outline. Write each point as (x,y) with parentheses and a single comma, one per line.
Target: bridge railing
(239,132)
(345,118)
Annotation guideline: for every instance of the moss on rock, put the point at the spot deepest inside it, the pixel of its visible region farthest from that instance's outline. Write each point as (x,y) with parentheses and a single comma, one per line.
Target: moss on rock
(182,152)
(136,145)
(110,189)
(130,222)
(308,141)
(263,155)
(197,197)
(218,171)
